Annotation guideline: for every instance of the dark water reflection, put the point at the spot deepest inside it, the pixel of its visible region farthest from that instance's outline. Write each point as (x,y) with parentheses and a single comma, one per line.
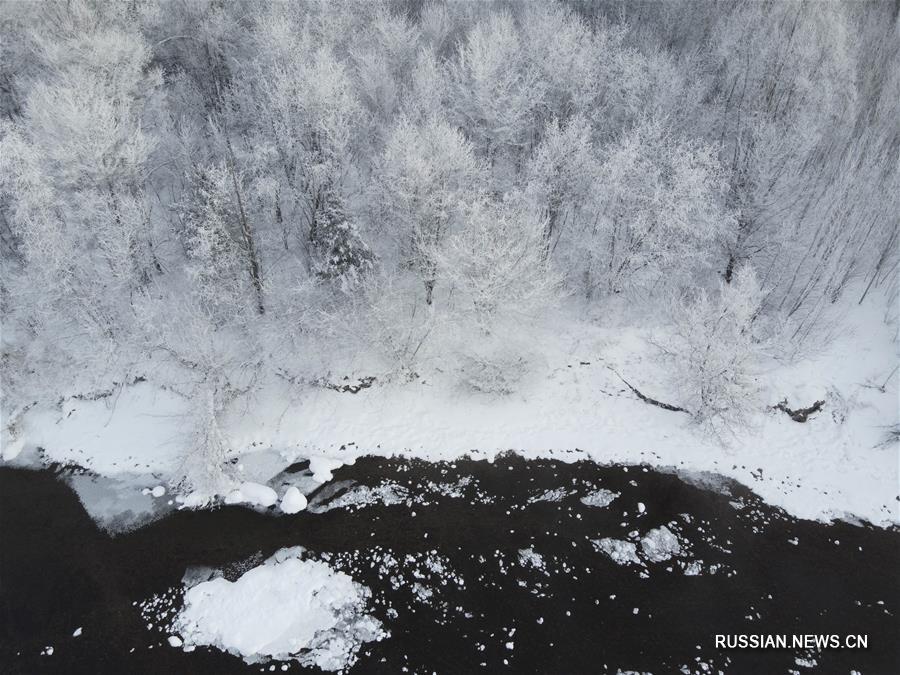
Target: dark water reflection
(477,567)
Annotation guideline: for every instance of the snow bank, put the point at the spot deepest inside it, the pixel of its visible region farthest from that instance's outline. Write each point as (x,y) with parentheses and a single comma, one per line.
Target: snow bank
(293,501)
(11,448)
(252,493)
(835,465)
(140,428)
(286,608)
(322,467)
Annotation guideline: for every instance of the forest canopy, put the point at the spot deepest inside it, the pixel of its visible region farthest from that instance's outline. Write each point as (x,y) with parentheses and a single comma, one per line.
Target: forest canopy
(243,190)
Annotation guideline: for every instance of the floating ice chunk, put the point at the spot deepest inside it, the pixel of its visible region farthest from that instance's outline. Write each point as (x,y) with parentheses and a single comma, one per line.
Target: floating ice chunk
(528,557)
(599,498)
(323,624)
(77,632)
(175,641)
(158,491)
(555,495)
(359,496)
(293,501)
(693,568)
(660,544)
(620,552)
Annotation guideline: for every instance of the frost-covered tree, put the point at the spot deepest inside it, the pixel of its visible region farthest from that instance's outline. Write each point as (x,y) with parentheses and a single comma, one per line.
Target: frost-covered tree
(426,177)
(501,281)
(248,187)
(383,60)
(562,175)
(497,261)
(714,350)
(298,108)
(427,88)
(784,79)
(219,248)
(74,165)
(661,211)
(495,88)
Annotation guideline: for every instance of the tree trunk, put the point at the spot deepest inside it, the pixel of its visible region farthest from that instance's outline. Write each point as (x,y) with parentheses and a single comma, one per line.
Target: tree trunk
(247,235)
(729,269)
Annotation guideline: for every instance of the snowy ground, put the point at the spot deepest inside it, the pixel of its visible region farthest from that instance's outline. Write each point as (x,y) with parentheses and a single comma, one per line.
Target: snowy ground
(571,406)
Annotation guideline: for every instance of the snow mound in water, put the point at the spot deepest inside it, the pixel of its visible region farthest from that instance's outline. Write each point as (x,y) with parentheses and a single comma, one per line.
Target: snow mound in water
(528,557)
(286,608)
(253,493)
(600,498)
(620,552)
(293,501)
(556,495)
(660,544)
(322,467)
(389,494)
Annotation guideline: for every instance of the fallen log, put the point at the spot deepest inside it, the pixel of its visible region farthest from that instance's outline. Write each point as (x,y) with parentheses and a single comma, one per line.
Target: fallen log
(799,414)
(647,399)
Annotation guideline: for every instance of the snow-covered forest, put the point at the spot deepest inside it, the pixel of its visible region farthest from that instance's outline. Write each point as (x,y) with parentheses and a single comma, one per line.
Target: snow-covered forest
(236,203)
(551,336)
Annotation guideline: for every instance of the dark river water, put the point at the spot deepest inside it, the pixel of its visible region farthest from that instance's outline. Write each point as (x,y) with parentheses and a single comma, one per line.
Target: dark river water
(520,587)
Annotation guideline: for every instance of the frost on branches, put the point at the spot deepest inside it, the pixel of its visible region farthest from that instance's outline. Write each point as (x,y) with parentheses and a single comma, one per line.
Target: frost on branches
(714,348)
(223,198)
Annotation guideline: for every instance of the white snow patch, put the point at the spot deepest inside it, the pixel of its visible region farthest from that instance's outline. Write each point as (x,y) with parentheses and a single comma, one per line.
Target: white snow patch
(140,428)
(252,493)
(839,463)
(286,608)
(197,500)
(10,449)
(293,501)
(322,467)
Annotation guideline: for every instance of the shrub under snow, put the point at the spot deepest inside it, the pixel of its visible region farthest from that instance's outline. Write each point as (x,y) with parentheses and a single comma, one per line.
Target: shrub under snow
(714,345)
